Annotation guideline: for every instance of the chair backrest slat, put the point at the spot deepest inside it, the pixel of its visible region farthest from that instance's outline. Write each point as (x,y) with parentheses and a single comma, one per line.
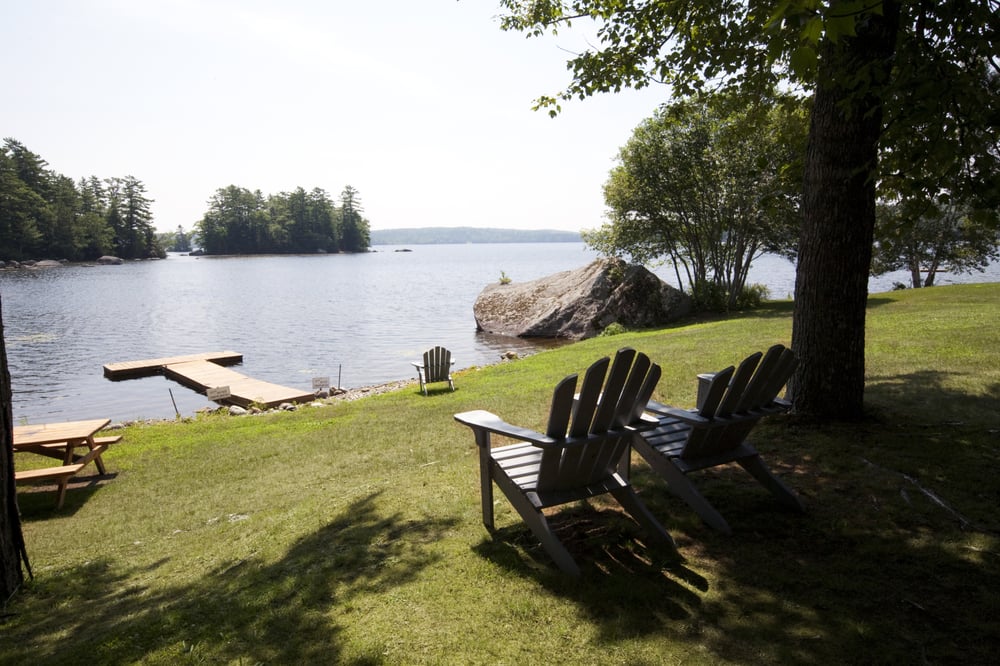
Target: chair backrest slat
(737,385)
(782,373)
(716,390)
(561,409)
(754,395)
(631,407)
(559,417)
(590,394)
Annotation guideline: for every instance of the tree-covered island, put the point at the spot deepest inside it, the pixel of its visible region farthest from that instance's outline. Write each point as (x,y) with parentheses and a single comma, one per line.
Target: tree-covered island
(240,221)
(44,214)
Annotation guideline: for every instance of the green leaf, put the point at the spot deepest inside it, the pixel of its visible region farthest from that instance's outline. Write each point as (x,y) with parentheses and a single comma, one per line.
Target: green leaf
(812,30)
(803,61)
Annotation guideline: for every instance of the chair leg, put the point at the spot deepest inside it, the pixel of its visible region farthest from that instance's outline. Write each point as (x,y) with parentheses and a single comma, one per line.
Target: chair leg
(486,487)
(681,486)
(630,501)
(538,525)
(756,467)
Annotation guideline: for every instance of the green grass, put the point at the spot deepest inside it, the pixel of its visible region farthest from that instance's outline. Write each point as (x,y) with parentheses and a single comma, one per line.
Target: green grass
(352,533)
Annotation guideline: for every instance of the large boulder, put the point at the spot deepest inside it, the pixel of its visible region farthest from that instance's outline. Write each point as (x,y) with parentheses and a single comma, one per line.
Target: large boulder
(107,260)
(580,303)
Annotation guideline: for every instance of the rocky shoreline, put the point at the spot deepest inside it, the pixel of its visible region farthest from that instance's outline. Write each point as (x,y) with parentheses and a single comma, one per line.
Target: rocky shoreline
(323,399)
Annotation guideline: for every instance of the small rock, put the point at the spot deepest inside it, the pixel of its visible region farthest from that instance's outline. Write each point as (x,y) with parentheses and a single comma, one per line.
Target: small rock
(236,410)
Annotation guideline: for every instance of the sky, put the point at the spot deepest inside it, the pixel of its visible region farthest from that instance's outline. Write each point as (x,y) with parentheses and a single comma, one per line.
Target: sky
(423,106)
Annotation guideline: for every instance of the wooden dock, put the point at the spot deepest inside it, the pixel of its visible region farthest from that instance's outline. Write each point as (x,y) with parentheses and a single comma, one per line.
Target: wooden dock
(155,366)
(202,372)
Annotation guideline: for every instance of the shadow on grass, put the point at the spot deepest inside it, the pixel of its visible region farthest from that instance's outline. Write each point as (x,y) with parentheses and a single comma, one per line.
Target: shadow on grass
(250,610)
(877,571)
(627,588)
(38,501)
(922,397)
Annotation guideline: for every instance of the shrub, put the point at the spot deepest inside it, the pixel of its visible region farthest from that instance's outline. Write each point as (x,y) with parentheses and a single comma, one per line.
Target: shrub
(614,328)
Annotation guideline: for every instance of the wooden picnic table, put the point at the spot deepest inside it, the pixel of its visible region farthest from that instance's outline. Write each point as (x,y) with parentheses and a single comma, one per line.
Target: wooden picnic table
(59,440)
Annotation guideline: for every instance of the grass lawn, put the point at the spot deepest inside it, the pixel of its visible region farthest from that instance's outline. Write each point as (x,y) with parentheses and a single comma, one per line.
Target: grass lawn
(351,533)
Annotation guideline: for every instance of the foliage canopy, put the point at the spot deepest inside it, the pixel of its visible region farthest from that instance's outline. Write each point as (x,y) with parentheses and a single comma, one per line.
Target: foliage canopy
(877,69)
(44,214)
(709,184)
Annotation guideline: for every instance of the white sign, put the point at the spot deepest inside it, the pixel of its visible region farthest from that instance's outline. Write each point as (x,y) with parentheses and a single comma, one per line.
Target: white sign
(218,393)
(321,382)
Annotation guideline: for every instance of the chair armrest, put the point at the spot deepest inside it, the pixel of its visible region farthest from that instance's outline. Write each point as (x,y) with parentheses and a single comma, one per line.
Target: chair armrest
(646,422)
(685,415)
(483,420)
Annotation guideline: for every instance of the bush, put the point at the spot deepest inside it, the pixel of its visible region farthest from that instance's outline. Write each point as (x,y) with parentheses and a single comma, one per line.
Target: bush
(752,296)
(712,297)
(614,328)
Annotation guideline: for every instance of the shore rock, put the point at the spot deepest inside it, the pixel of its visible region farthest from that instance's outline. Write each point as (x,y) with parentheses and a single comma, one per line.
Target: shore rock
(107,260)
(580,303)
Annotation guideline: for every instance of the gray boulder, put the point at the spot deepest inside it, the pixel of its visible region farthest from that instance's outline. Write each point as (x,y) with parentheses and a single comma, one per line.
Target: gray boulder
(580,303)
(110,261)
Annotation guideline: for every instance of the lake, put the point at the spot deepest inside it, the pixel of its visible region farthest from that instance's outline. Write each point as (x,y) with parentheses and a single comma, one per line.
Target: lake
(357,319)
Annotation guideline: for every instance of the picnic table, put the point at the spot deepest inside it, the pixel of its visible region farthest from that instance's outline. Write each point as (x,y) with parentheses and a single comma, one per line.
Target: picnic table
(60,441)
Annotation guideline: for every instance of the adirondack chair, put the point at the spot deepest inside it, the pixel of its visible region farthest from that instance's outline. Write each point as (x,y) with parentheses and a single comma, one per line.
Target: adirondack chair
(436,367)
(730,403)
(587,438)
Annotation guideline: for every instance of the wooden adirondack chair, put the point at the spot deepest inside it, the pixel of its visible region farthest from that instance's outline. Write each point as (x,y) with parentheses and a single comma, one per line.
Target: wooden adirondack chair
(578,456)
(730,403)
(436,367)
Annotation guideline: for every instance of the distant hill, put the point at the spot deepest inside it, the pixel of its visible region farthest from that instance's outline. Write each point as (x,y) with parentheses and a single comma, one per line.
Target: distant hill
(449,235)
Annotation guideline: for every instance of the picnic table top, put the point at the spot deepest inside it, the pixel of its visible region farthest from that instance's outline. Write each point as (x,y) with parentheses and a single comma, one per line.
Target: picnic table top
(47,433)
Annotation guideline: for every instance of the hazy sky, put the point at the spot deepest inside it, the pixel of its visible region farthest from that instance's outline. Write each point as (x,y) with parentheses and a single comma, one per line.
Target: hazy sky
(424,106)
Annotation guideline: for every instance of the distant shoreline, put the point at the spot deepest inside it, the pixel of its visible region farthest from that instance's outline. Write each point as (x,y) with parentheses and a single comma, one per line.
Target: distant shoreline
(464,235)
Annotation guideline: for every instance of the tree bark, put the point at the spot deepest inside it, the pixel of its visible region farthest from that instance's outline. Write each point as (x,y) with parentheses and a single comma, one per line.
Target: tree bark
(835,245)
(11,539)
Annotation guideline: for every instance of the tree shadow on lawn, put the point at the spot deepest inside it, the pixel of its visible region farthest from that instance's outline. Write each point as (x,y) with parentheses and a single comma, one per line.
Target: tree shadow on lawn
(628,588)
(922,397)
(248,609)
(883,568)
(876,571)
(869,575)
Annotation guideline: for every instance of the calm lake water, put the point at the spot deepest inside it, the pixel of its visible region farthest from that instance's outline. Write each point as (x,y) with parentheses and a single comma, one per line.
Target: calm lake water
(357,319)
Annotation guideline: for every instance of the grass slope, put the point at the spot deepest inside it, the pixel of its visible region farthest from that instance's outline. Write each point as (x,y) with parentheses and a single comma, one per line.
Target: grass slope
(352,533)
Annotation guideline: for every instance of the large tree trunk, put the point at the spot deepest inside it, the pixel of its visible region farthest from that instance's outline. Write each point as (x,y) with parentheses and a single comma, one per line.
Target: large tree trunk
(11,539)
(835,246)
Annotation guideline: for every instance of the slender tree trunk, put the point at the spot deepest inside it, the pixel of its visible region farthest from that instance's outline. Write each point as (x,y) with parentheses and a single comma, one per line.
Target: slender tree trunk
(11,539)
(915,272)
(835,246)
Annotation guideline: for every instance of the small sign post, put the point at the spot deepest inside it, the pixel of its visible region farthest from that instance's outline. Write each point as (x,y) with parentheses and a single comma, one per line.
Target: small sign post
(321,383)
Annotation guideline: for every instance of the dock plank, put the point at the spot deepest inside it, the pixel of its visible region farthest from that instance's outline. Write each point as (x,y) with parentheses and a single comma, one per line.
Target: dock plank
(202,375)
(143,368)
